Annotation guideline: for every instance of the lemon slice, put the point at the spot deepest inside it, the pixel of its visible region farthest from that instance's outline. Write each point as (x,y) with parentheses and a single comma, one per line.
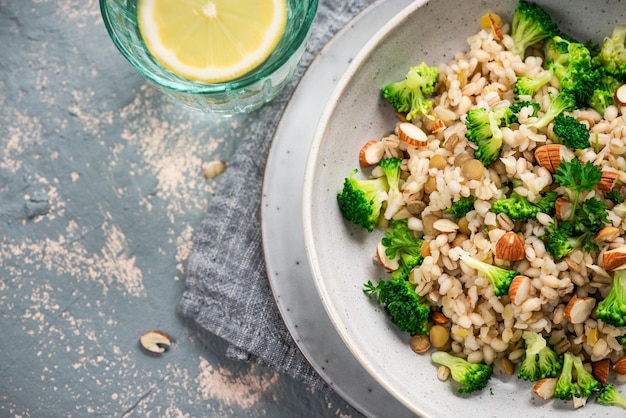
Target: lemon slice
(211,40)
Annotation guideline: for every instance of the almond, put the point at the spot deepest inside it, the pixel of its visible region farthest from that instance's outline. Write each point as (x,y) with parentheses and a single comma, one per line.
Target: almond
(519,290)
(438,126)
(620,95)
(550,156)
(510,247)
(389,264)
(614,259)
(412,134)
(620,366)
(371,153)
(607,181)
(563,209)
(578,310)
(579,402)
(439,318)
(445,226)
(544,388)
(606,234)
(600,370)
(155,341)
(497,33)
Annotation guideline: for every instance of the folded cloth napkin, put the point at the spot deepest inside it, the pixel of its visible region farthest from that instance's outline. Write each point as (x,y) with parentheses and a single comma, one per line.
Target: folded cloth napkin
(228,293)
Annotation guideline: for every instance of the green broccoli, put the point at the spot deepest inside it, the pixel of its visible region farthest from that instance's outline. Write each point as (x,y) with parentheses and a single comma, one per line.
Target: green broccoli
(604,93)
(401,241)
(566,388)
(585,380)
(563,102)
(571,132)
(527,85)
(614,196)
(472,376)
(612,55)
(518,207)
(461,207)
(405,308)
(531,24)
(610,396)
(540,360)
(559,242)
(516,107)
(572,65)
(500,278)
(392,169)
(612,309)
(361,201)
(483,129)
(409,95)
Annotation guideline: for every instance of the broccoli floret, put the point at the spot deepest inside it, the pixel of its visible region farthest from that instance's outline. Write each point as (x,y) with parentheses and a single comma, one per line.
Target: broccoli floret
(527,85)
(472,376)
(361,200)
(612,55)
(401,241)
(483,129)
(518,207)
(559,242)
(571,132)
(461,207)
(392,169)
(540,360)
(500,278)
(405,308)
(604,93)
(409,95)
(566,388)
(585,380)
(563,102)
(571,63)
(610,396)
(612,309)
(516,107)
(530,25)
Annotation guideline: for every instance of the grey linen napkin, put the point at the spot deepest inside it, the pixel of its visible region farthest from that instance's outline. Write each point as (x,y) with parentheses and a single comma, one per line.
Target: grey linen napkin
(228,293)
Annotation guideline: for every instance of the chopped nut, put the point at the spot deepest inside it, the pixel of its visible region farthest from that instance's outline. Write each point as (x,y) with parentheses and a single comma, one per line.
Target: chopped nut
(620,366)
(607,181)
(606,234)
(412,134)
(439,318)
(371,153)
(545,387)
(563,209)
(620,95)
(495,27)
(519,289)
(389,264)
(510,247)
(579,402)
(550,156)
(614,259)
(600,370)
(578,310)
(155,341)
(438,126)
(445,226)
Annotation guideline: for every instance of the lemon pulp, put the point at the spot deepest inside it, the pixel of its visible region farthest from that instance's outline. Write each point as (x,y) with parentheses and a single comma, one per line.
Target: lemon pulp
(211,40)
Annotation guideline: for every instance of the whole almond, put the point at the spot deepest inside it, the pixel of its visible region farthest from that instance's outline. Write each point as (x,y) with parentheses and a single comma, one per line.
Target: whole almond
(371,153)
(620,366)
(614,259)
(550,156)
(578,310)
(412,134)
(519,290)
(510,247)
(600,370)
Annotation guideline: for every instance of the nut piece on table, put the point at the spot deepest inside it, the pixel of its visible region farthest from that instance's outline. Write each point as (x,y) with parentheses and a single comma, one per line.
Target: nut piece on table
(510,247)
(155,341)
(614,259)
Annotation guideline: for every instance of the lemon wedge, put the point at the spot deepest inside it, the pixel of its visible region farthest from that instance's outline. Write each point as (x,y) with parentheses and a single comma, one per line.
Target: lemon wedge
(211,40)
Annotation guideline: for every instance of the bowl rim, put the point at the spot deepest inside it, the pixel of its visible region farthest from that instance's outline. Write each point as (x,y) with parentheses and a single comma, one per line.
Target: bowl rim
(307,195)
(223,87)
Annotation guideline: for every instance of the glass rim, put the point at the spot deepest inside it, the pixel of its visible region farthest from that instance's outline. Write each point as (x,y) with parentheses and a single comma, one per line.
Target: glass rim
(226,86)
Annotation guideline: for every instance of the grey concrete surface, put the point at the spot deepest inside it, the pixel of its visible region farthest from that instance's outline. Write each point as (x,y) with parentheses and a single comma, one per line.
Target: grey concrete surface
(101,188)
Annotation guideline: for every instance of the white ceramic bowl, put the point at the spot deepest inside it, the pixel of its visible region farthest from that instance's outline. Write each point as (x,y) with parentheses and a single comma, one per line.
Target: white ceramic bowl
(341,254)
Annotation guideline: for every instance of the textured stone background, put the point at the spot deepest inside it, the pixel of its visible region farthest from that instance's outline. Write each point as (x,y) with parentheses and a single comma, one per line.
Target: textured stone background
(101,188)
